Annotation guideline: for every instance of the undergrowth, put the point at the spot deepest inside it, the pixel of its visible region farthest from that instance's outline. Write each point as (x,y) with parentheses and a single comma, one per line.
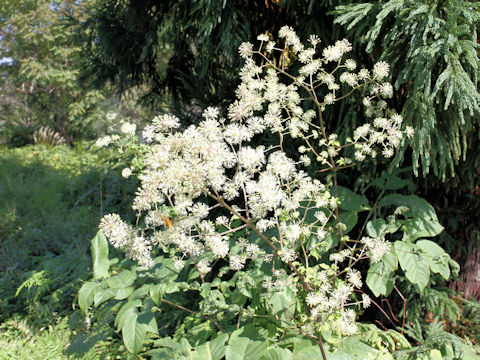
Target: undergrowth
(51,199)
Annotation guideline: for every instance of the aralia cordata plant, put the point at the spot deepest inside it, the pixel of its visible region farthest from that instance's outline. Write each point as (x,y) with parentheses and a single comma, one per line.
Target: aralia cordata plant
(204,185)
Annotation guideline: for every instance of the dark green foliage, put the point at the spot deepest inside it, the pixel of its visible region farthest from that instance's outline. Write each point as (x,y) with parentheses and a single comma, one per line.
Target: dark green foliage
(433,51)
(186,49)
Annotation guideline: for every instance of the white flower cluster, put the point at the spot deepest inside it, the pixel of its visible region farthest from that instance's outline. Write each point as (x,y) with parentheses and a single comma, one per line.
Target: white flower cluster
(217,162)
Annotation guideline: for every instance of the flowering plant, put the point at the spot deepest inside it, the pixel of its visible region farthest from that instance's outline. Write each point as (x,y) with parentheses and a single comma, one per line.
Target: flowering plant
(227,212)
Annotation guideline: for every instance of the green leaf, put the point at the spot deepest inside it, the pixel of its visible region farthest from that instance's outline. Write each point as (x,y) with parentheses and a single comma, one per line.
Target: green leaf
(414,263)
(147,318)
(350,219)
(133,332)
(308,353)
(278,354)
(246,344)
(211,350)
(421,219)
(122,280)
(378,227)
(128,306)
(86,295)
(351,201)
(121,294)
(380,275)
(437,258)
(283,302)
(99,248)
(419,228)
(102,295)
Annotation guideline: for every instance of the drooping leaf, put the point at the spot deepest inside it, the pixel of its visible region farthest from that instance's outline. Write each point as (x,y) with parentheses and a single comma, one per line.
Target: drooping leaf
(133,332)
(86,295)
(99,248)
(437,258)
(283,302)
(102,295)
(147,318)
(376,228)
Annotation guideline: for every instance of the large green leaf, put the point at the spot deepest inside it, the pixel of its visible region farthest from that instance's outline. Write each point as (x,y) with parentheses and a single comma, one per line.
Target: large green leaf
(308,353)
(278,354)
(121,315)
(378,227)
(418,207)
(102,295)
(246,344)
(147,318)
(133,331)
(414,229)
(122,280)
(86,295)
(211,350)
(380,275)
(414,263)
(350,219)
(421,219)
(437,258)
(99,249)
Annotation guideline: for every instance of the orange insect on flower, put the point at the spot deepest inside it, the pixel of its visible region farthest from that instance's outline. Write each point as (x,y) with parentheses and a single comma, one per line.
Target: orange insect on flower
(167,221)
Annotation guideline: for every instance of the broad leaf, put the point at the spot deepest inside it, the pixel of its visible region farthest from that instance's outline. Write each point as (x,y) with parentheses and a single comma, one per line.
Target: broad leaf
(86,295)
(102,295)
(99,249)
(211,350)
(350,219)
(414,263)
(246,344)
(121,315)
(147,318)
(278,354)
(133,332)
(283,302)
(122,280)
(308,353)
(437,258)
(418,228)
(378,227)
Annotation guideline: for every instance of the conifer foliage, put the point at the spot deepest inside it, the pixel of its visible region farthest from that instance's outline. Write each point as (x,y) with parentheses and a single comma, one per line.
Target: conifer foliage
(433,50)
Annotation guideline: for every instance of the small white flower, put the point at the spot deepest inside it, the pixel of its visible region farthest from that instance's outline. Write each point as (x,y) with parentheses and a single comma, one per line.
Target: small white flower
(409,131)
(246,50)
(263,37)
(350,64)
(329,98)
(381,70)
(236,262)
(211,113)
(366,300)
(128,129)
(126,172)
(103,142)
